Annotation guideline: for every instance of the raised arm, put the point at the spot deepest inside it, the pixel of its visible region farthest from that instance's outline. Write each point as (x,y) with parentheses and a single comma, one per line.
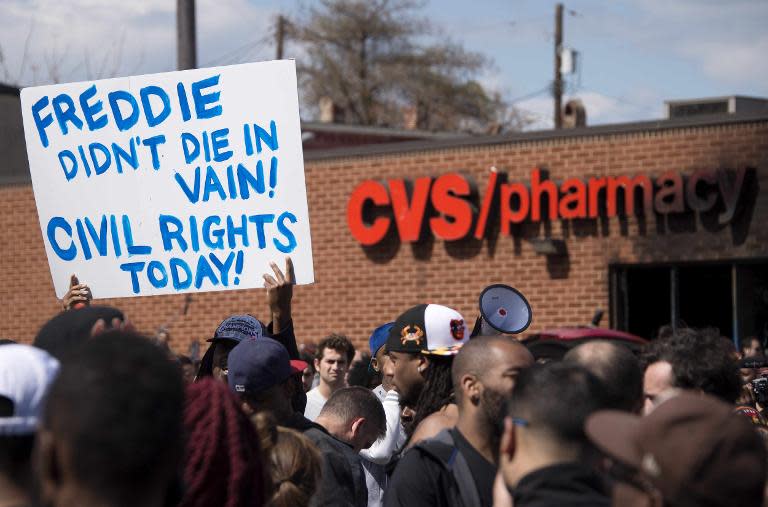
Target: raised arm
(279,296)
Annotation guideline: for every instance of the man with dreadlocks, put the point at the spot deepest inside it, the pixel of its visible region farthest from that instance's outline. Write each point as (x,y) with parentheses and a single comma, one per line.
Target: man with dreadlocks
(421,346)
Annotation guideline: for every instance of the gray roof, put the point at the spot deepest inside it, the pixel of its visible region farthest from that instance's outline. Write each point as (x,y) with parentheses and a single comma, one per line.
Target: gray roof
(342,128)
(540,135)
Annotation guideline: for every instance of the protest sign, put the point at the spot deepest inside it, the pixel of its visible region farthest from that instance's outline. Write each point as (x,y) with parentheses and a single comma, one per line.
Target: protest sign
(169,183)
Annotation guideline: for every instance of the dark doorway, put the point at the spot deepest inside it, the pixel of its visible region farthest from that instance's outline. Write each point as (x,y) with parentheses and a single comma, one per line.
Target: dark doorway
(752,301)
(646,300)
(705,298)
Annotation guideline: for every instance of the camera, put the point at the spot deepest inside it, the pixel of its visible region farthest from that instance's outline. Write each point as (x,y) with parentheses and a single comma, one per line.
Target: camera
(760,389)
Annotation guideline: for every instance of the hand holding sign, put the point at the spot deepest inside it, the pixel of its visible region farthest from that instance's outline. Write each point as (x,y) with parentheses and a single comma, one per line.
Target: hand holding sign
(179,182)
(78,295)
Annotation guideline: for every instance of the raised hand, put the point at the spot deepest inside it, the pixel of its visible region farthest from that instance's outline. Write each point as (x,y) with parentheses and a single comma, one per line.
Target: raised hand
(78,295)
(279,293)
(101,326)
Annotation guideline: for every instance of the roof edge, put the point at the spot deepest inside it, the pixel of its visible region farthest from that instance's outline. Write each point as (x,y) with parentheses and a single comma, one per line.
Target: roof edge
(539,135)
(346,128)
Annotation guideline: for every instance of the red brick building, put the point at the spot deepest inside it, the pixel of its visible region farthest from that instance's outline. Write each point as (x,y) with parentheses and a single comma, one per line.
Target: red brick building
(644,269)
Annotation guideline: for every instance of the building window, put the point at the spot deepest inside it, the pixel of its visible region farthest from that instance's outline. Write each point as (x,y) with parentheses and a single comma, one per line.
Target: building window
(731,296)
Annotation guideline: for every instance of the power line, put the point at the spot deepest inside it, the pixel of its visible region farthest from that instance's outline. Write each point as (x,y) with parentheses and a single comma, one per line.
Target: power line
(527,96)
(240,52)
(621,100)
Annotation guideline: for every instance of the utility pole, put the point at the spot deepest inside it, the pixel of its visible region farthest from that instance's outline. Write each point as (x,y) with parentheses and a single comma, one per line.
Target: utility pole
(280,36)
(557,86)
(186,45)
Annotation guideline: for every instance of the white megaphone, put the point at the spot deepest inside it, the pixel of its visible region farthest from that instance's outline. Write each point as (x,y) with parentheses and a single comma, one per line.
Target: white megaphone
(502,310)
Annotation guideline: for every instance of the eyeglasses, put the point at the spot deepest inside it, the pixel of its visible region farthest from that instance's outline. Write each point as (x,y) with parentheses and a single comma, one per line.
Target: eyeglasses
(519,421)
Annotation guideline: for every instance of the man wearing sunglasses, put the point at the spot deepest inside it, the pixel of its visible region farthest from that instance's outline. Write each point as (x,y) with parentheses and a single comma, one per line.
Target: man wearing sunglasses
(543,453)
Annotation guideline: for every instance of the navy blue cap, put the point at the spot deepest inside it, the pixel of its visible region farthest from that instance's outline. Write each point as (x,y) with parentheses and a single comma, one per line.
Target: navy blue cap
(379,337)
(256,364)
(239,327)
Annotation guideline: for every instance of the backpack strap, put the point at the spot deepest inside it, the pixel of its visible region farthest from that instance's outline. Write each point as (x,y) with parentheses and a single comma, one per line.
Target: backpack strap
(443,448)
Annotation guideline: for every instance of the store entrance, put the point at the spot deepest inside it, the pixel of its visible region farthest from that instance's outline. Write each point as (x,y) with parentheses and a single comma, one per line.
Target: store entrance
(732,297)
(645,300)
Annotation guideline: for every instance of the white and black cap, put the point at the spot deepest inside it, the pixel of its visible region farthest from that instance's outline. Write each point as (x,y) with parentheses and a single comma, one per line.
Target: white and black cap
(428,329)
(26,373)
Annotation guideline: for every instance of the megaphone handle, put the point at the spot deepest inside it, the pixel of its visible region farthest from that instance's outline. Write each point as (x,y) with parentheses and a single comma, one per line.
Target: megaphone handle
(478,329)
(488,330)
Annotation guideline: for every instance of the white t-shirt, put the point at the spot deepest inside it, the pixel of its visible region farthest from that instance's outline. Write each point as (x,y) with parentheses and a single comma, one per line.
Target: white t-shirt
(315,403)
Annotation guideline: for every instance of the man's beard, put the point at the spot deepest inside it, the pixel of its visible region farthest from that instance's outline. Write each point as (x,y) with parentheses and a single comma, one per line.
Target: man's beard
(410,398)
(493,406)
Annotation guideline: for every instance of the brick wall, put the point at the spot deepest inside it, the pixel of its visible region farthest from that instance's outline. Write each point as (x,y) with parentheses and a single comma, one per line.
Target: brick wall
(357,289)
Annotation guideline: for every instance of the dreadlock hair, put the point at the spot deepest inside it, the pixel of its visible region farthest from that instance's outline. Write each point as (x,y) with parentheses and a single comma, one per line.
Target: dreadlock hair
(223,465)
(436,393)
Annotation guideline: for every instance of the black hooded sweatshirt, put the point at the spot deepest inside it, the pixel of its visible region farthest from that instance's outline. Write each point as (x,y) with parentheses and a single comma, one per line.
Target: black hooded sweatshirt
(562,485)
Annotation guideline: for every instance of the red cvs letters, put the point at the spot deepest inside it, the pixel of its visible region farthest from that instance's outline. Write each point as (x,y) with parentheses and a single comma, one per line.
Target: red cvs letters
(443,205)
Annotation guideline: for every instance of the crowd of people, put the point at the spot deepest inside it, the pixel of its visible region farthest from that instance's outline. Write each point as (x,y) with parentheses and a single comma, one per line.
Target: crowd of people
(94,413)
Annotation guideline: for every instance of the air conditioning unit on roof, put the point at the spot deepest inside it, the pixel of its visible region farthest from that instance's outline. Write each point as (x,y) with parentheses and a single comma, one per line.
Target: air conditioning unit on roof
(735,104)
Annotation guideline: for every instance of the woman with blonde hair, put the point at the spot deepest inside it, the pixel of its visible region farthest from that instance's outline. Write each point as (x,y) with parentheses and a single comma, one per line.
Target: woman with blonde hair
(294,466)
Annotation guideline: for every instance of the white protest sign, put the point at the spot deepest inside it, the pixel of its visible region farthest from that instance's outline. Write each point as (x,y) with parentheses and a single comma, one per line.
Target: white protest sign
(169,183)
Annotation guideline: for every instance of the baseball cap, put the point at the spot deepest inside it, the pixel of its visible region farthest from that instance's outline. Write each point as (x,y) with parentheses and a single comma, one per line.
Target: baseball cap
(26,372)
(298,366)
(379,338)
(692,448)
(256,364)
(239,327)
(428,329)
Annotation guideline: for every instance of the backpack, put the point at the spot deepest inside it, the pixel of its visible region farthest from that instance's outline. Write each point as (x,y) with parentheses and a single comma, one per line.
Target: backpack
(443,449)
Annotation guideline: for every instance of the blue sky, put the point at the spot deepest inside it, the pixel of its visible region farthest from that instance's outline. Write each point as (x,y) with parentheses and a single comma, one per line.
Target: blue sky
(634,53)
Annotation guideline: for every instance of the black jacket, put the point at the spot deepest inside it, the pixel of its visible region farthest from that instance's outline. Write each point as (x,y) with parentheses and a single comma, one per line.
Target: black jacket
(298,422)
(343,483)
(562,485)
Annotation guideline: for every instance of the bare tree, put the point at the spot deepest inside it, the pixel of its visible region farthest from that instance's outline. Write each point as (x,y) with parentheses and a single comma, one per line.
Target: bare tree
(368,58)
(55,64)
